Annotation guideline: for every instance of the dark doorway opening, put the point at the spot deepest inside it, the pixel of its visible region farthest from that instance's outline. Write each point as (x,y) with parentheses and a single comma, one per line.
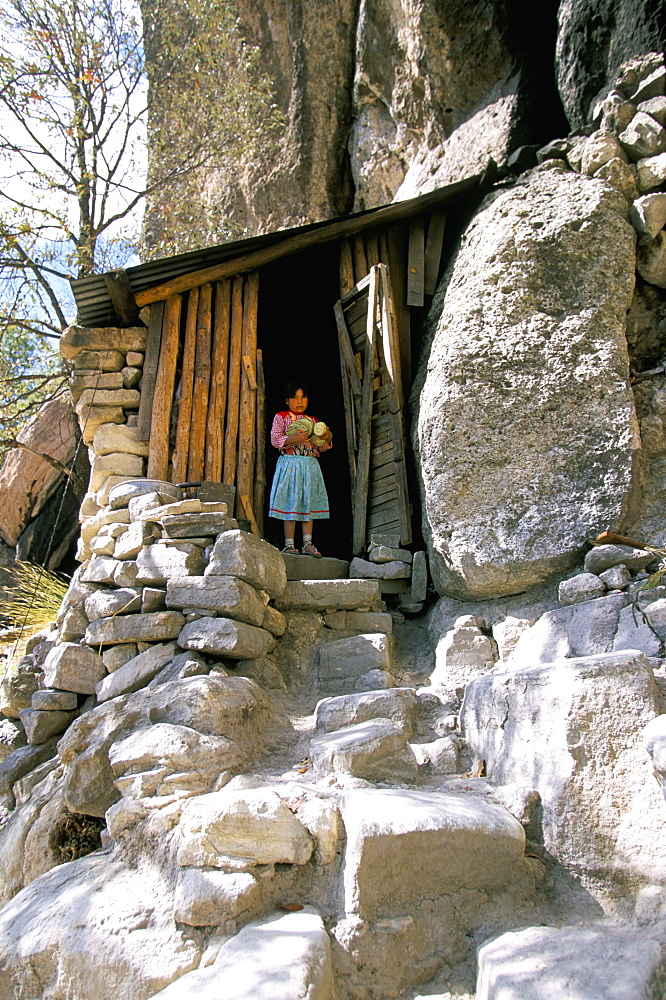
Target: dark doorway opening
(298,336)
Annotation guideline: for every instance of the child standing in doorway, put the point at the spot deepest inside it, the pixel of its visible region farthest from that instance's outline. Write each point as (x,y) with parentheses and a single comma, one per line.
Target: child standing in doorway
(298,492)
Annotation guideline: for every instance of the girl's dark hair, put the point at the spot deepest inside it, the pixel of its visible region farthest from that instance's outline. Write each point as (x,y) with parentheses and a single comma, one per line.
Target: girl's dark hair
(291,388)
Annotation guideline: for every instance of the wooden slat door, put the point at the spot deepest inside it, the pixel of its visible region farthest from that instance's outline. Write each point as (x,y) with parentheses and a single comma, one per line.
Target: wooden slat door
(372,387)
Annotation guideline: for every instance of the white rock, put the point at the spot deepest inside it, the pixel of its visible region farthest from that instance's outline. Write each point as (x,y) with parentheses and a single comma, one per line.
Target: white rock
(100,569)
(115,464)
(598,149)
(111,438)
(95,928)
(376,750)
(342,660)
(651,171)
(616,578)
(440,756)
(205,898)
(651,261)
(121,495)
(386,553)
(648,215)
(398,704)
(584,961)
(323,822)
(92,525)
(602,809)
(252,824)
(285,957)
(643,137)
(132,541)
(507,633)
(462,654)
(582,587)
(361,569)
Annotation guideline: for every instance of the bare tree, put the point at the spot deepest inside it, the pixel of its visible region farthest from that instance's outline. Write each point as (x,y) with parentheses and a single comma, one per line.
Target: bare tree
(73,122)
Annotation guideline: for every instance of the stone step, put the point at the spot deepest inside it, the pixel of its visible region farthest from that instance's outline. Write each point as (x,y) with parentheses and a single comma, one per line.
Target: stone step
(282,957)
(306,568)
(329,595)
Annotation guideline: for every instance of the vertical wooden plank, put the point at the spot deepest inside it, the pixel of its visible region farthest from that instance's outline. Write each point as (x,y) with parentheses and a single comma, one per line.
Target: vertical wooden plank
(372,248)
(350,423)
(365,423)
(433,251)
(181,449)
(397,240)
(195,459)
(233,392)
(360,260)
(150,362)
(390,341)
(383,247)
(346,267)
(260,457)
(158,456)
(415,263)
(218,382)
(248,393)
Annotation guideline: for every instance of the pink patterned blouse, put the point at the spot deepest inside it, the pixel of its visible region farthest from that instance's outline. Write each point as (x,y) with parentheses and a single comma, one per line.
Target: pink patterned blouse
(280,433)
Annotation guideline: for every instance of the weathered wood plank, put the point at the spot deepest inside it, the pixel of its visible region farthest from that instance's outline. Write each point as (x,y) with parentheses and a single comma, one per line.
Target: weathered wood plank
(372,248)
(365,426)
(397,243)
(195,458)
(347,353)
(248,393)
(390,340)
(379,522)
(150,363)
(355,292)
(158,456)
(218,384)
(122,298)
(433,251)
(260,457)
(360,260)
(181,448)
(346,267)
(350,420)
(415,262)
(233,391)
(345,228)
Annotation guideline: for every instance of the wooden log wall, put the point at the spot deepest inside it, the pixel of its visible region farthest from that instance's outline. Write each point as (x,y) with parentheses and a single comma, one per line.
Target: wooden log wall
(201,396)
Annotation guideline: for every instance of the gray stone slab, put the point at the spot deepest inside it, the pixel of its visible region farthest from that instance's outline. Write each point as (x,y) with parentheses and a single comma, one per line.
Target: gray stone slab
(602,557)
(104,603)
(229,596)
(376,750)
(158,563)
(306,568)
(191,525)
(136,672)
(354,656)
(588,962)
(41,726)
(362,569)
(398,704)
(224,637)
(54,701)
(329,595)
(156,627)
(70,667)
(237,553)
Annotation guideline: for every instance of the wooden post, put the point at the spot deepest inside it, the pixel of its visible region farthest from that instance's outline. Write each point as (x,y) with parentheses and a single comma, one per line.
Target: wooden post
(415,263)
(233,393)
(260,457)
(248,392)
(397,239)
(360,260)
(195,461)
(372,248)
(150,363)
(158,457)
(122,297)
(218,383)
(248,513)
(180,452)
(346,268)
(365,423)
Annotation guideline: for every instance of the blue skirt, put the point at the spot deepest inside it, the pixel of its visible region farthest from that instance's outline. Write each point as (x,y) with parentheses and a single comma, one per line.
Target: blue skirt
(298,492)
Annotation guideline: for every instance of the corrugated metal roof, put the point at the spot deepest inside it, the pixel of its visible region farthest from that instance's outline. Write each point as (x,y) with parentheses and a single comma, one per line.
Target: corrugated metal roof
(94,308)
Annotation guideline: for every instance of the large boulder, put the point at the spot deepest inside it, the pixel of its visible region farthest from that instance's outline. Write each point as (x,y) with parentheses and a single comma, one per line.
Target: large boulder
(526,431)
(572,729)
(94,928)
(233,707)
(27,480)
